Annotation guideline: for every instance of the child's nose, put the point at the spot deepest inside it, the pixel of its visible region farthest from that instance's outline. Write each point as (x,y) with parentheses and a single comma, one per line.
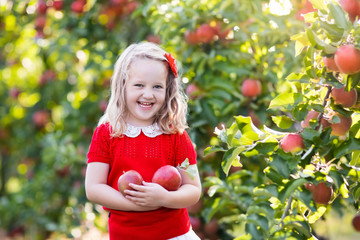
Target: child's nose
(148,93)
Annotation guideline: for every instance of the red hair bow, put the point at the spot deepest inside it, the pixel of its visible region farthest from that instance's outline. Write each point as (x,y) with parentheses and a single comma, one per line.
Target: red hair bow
(172,64)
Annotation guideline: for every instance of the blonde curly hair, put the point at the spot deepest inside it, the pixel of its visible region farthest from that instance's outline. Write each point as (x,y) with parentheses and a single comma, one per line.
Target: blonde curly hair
(172,115)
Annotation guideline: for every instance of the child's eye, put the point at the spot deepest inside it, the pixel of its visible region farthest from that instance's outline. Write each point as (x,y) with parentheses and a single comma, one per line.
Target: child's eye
(158,86)
(138,85)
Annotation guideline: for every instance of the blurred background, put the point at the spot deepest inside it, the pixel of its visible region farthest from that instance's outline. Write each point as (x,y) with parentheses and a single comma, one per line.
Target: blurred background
(56,61)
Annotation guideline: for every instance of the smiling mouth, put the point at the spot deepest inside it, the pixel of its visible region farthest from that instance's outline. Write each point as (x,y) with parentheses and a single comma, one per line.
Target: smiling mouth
(145,104)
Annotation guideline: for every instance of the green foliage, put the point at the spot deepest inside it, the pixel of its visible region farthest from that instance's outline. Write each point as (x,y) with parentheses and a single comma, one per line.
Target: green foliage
(326,157)
(252,187)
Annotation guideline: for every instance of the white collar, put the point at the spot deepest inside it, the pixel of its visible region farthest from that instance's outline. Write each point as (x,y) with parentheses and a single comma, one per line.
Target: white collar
(149,131)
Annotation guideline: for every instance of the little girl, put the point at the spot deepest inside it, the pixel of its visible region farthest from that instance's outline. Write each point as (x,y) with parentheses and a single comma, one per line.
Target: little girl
(142,129)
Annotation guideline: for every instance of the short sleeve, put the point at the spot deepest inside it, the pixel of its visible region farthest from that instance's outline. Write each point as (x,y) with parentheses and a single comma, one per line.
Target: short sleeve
(184,149)
(99,150)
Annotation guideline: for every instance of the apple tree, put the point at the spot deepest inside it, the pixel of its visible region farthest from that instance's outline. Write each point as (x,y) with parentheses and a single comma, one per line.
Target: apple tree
(56,60)
(310,158)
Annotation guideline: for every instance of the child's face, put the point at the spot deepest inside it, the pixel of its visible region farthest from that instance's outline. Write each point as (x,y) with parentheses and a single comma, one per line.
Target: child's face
(145,91)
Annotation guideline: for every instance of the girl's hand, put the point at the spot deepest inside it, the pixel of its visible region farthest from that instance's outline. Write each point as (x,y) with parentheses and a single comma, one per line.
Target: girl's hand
(149,194)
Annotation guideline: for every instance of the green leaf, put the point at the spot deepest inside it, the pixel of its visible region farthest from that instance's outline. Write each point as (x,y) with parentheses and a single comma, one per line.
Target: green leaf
(281,166)
(261,147)
(283,122)
(301,227)
(286,99)
(229,157)
(233,135)
(336,12)
(352,81)
(316,41)
(319,4)
(299,77)
(290,187)
(249,132)
(213,149)
(347,147)
(301,41)
(355,160)
(190,170)
(258,219)
(317,215)
(273,175)
(356,192)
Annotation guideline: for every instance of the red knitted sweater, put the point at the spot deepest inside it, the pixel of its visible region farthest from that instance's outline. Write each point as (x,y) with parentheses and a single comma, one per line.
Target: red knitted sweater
(145,155)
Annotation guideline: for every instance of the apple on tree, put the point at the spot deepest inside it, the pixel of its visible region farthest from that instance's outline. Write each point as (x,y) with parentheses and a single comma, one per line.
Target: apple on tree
(128,177)
(345,98)
(347,59)
(192,91)
(307,8)
(205,33)
(329,63)
(196,223)
(191,37)
(322,193)
(352,7)
(356,222)
(314,115)
(58,5)
(292,143)
(41,7)
(168,177)
(78,6)
(40,118)
(341,128)
(251,87)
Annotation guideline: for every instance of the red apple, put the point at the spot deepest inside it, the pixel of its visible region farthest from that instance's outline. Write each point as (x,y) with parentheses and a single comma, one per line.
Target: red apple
(47,76)
(58,4)
(41,118)
(168,177)
(314,115)
(191,37)
(130,7)
(211,227)
(77,6)
(103,105)
(329,63)
(40,22)
(345,98)
(130,176)
(307,8)
(41,7)
(153,38)
(356,222)
(205,33)
(192,90)
(292,142)
(251,87)
(220,31)
(14,92)
(195,208)
(347,59)
(322,193)
(351,7)
(341,128)
(117,2)
(63,172)
(309,186)
(195,223)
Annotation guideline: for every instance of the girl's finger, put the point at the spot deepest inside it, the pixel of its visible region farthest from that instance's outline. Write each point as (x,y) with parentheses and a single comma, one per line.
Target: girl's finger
(137,187)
